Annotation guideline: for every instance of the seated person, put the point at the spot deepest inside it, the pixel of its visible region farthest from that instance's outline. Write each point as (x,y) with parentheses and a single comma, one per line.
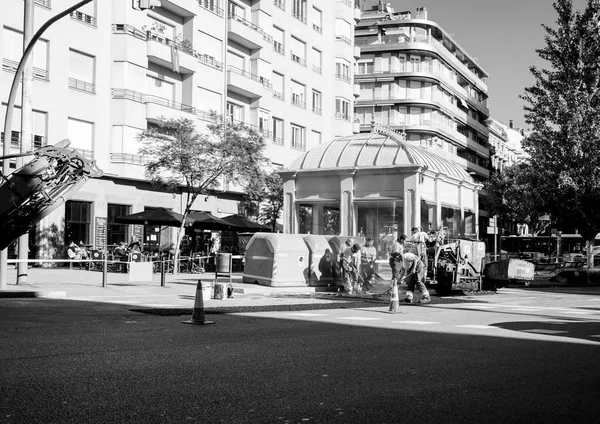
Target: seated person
(76,252)
(134,245)
(120,255)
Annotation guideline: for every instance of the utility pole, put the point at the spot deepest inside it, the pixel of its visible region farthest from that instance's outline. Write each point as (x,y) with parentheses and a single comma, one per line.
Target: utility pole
(26,128)
(9,112)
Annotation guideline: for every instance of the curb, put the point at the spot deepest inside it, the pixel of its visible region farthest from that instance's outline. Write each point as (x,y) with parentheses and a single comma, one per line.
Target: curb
(23,294)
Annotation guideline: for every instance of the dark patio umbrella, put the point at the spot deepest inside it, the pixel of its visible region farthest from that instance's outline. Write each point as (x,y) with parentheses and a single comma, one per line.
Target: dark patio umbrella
(161,217)
(244,224)
(207,221)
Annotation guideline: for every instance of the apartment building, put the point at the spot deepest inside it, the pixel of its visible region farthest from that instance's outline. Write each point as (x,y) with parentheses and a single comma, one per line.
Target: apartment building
(109,70)
(414,77)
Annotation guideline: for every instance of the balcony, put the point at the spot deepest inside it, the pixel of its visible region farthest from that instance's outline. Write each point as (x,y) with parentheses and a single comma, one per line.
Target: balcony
(246,33)
(356,126)
(79,85)
(127,158)
(343,39)
(356,90)
(43,3)
(245,83)
(164,52)
(11,66)
(342,116)
(211,6)
(183,8)
(298,59)
(298,101)
(357,14)
(83,18)
(356,52)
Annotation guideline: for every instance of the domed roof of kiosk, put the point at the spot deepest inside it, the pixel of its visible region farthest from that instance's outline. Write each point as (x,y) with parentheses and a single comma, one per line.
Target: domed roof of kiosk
(375,150)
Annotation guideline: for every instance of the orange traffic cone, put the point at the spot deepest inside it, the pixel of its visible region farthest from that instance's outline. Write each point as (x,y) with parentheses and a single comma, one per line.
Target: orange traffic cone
(198,315)
(394,305)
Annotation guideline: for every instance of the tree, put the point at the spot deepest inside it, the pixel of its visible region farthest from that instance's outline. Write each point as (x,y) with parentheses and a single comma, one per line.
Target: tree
(512,194)
(563,108)
(265,199)
(179,158)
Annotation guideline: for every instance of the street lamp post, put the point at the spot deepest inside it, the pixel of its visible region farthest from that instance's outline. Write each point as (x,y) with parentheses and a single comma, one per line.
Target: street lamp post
(11,104)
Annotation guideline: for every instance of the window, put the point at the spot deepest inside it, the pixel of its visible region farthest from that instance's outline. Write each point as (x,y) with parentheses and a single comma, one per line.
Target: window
(12,44)
(298,137)
(331,220)
(278,86)
(305,219)
(299,10)
(234,9)
(278,40)
(81,134)
(78,219)
(81,72)
(366,90)
(39,128)
(235,112)
(342,109)
(212,48)
(264,120)
(364,67)
(316,102)
(317,20)
(316,138)
(116,233)
(382,220)
(343,31)
(298,51)
(316,60)
(342,70)
(298,94)
(277,131)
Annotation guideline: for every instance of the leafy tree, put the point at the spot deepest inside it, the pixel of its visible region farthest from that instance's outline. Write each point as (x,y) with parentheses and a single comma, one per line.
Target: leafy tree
(563,108)
(265,199)
(180,158)
(512,194)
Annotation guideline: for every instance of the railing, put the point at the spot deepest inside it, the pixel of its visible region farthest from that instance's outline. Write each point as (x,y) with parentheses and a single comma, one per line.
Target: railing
(15,138)
(298,102)
(11,66)
(298,59)
(211,6)
(278,47)
(342,116)
(44,3)
(127,158)
(280,4)
(346,2)
(316,110)
(80,85)
(130,30)
(83,17)
(318,28)
(87,154)
(298,15)
(278,140)
(209,61)
(343,39)
(252,26)
(298,144)
(184,47)
(123,93)
(278,95)
(317,69)
(343,77)
(265,82)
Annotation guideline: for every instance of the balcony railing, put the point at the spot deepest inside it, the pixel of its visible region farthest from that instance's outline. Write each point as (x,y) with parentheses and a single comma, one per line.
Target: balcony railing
(80,85)
(343,39)
(317,69)
(209,61)
(343,77)
(299,15)
(265,82)
(297,101)
(11,66)
(277,140)
(318,28)
(127,158)
(252,26)
(346,2)
(316,110)
(298,144)
(342,116)
(83,17)
(87,154)
(43,3)
(183,46)
(211,6)
(298,59)
(280,4)
(278,95)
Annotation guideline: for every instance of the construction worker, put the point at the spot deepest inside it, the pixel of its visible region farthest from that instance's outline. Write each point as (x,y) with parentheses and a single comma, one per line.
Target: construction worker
(368,254)
(413,271)
(396,256)
(349,263)
(420,238)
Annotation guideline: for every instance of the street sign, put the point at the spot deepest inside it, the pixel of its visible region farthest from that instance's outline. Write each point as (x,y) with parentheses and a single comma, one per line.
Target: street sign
(492,230)
(492,222)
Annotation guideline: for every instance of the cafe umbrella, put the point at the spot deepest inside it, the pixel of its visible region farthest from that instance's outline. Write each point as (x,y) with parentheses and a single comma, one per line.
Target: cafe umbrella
(241,223)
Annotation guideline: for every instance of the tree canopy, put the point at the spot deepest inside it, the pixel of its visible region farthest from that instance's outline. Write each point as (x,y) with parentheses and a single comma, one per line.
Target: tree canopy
(563,108)
(182,159)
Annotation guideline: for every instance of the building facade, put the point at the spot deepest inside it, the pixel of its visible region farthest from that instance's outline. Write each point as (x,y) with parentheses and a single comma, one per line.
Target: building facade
(109,70)
(413,76)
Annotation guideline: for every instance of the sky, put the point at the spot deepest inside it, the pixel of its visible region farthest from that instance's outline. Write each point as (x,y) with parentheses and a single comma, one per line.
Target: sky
(502,35)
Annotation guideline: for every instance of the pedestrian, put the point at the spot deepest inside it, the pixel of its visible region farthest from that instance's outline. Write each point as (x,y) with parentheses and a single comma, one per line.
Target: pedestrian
(413,271)
(396,256)
(368,254)
(349,264)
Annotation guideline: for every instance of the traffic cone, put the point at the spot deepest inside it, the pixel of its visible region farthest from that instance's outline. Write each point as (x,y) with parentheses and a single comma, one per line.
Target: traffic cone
(394,305)
(198,314)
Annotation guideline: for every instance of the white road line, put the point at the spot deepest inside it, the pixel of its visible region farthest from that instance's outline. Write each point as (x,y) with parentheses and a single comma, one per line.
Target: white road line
(306,314)
(544,331)
(486,327)
(415,322)
(359,318)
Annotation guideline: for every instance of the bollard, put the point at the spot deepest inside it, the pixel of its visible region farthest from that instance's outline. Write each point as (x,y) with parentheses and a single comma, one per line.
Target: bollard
(162,273)
(198,314)
(394,303)
(104,271)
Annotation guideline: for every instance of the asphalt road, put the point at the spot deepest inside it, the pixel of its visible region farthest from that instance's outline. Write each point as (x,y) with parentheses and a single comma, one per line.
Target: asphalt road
(513,358)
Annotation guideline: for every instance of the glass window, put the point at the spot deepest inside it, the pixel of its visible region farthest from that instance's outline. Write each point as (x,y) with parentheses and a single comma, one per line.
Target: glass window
(428,220)
(278,40)
(305,219)
(116,233)
(382,221)
(316,100)
(277,131)
(81,134)
(469,224)
(451,220)
(235,112)
(298,137)
(331,220)
(317,20)
(78,218)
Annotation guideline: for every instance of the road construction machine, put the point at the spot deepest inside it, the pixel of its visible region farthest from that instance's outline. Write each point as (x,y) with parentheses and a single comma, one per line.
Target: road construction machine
(36,189)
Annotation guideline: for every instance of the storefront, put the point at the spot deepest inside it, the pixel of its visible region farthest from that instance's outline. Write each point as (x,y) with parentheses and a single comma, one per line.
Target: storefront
(377,185)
